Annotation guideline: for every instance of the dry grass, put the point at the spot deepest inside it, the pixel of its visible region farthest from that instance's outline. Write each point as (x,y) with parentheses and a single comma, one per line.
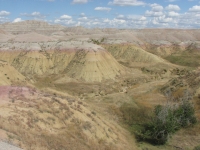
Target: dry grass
(47,121)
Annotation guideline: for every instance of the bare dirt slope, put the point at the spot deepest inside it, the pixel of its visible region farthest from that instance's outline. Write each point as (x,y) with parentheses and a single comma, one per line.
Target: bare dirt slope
(9,75)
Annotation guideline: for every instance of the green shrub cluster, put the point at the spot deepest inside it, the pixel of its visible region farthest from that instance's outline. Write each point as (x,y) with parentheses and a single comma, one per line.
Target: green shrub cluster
(167,120)
(98,42)
(197,148)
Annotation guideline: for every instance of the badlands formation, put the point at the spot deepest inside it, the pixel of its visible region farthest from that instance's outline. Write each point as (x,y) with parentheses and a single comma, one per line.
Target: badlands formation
(69,87)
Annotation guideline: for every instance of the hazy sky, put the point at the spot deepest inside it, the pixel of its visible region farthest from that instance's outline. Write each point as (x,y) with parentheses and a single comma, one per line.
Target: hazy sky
(105,13)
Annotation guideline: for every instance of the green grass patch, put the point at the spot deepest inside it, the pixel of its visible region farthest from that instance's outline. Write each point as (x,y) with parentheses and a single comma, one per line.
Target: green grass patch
(184,59)
(134,116)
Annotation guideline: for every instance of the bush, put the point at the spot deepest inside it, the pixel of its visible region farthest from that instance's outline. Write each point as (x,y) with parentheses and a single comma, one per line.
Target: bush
(185,113)
(167,120)
(197,148)
(98,42)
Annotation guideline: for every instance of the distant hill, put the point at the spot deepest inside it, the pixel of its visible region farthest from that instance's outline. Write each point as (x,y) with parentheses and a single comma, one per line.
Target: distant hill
(30,26)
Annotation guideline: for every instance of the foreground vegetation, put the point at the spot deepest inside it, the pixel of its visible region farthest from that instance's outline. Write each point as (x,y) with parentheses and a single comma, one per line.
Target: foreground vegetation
(197,148)
(167,120)
(157,127)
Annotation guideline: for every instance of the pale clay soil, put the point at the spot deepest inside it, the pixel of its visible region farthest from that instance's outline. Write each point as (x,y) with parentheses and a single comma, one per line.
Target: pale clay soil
(6,146)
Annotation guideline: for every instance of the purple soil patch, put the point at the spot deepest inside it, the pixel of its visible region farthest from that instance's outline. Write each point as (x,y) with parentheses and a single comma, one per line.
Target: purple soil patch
(9,93)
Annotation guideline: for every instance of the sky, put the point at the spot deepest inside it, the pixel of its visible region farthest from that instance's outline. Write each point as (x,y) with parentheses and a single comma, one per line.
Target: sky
(105,13)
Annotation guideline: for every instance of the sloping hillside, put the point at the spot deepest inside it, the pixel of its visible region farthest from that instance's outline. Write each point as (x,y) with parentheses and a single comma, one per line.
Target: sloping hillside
(78,60)
(126,52)
(9,75)
(36,120)
(135,57)
(93,65)
(190,57)
(30,26)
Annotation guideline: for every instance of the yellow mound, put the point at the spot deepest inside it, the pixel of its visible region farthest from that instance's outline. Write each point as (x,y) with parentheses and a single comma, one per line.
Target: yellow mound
(32,63)
(8,56)
(91,65)
(9,75)
(78,60)
(132,53)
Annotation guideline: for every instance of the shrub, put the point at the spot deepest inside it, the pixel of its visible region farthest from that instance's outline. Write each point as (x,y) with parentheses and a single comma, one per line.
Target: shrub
(167,120)
(197,147)
(185,113)
(98,42)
